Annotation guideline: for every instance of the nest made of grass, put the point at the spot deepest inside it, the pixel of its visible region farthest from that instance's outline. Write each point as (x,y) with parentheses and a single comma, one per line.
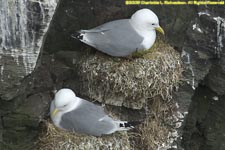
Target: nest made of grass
(57,139)
(156,132)
(130,82)
(153,133)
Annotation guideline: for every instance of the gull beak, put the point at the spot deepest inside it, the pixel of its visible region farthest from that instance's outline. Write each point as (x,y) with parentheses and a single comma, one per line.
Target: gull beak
(160,30)
(55,111)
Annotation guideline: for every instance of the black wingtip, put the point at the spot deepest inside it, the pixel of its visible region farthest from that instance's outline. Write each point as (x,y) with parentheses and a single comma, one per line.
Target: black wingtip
(131,124)
(77,35)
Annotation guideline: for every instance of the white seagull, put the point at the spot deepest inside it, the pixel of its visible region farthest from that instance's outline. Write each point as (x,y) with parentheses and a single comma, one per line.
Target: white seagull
(123,37)
(75,114)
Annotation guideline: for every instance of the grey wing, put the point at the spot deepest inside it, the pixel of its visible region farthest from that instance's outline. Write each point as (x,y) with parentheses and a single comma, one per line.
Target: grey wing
(89,119)
(116,38)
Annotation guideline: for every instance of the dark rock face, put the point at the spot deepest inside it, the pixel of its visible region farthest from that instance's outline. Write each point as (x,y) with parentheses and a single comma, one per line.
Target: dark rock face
(20,116)
(215,79)
(23,25)
(205,124)
(196,32)
(204,43)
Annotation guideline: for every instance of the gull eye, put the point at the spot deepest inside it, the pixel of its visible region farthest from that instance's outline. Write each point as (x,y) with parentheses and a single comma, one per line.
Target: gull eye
(153,24)
(64,105)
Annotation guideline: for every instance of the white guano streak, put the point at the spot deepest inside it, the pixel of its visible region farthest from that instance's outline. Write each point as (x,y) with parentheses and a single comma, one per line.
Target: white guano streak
(15,38)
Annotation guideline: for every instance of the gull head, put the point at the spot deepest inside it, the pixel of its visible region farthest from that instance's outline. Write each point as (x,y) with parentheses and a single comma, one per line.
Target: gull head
(63,100)
(145,19)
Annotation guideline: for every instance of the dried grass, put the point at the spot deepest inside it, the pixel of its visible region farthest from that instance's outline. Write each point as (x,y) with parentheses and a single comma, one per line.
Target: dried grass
(56,139)
(155,131)
(130,82)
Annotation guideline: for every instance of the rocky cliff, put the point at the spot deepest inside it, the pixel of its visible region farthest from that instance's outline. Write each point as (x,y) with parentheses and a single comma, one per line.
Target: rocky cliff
(23,27)
(197,33)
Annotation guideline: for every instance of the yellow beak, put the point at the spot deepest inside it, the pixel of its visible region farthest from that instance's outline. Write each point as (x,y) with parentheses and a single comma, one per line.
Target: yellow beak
(55,111)
(160,30)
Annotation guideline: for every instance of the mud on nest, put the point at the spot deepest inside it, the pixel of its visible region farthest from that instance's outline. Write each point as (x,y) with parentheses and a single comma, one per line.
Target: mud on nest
(130,82)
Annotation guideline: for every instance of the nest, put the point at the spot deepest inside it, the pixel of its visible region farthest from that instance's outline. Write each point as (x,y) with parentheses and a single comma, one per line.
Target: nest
(130,82)
(157,132)
(152,134)
(57,139)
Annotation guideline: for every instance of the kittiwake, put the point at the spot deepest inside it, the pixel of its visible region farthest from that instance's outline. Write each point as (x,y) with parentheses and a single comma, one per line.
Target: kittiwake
(75,114)
(123,37)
